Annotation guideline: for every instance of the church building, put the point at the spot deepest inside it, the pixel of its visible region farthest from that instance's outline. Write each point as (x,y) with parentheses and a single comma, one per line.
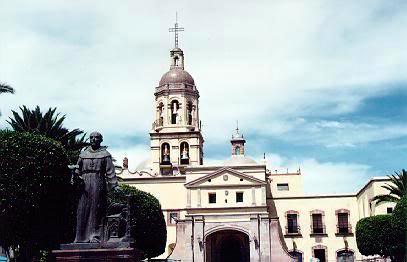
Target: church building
(238,211)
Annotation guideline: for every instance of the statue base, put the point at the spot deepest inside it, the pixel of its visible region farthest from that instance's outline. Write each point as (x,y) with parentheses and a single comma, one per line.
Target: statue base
(98,254)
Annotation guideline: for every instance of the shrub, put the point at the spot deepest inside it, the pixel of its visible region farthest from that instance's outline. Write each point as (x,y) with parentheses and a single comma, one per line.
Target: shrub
(149,228)
(36,199)
(374,235)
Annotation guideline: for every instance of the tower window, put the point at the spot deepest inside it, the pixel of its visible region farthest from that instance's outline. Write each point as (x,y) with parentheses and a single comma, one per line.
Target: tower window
(212,198)
(174,112)
(237,150)
(189,113)
(165,153)
(239,197)
(161,114)
(184,153)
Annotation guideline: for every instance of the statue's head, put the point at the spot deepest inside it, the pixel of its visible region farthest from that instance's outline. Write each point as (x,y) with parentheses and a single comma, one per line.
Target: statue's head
(96,139)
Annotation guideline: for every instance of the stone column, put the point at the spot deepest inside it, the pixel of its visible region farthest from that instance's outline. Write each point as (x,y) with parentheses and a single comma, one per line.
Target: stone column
(253,196)
(199,197)
(188,197)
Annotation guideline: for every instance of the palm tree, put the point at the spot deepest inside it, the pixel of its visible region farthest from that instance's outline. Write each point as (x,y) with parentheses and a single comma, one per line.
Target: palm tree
(49,124)
(397,188)
(4,88)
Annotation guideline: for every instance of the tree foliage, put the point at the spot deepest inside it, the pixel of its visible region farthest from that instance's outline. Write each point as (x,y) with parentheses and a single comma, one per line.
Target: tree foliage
(36,199)
(149,228)
(397,188)
(50,125)
(384,235)
(4,88)
(374,235)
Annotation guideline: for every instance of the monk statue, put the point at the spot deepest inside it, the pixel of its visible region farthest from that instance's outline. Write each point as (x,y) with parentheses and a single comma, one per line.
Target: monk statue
(96,172)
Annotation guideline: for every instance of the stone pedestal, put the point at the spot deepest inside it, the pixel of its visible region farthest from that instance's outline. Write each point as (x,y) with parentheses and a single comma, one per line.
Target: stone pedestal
(97,252)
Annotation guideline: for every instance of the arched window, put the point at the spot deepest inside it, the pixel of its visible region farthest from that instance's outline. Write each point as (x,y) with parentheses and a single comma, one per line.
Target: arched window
(189,108)
(174,111)
(184,153)
(237,150)
(161,114)
(165,153)
(296,254)
(345,255)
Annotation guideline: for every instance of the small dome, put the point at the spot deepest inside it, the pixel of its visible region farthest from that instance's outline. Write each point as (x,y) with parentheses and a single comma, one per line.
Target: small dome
(239,160)
(177,76)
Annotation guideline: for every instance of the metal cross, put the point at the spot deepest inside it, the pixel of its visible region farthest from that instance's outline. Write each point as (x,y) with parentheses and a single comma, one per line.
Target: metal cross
(176,29)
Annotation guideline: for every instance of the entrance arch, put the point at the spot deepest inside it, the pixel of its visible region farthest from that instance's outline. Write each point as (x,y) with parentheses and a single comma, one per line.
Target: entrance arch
(227,246)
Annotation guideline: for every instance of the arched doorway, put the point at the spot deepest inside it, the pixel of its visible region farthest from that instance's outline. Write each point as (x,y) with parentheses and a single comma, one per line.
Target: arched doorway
(227,246)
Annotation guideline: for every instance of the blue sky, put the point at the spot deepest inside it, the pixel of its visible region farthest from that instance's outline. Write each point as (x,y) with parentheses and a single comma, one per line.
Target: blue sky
(314,84)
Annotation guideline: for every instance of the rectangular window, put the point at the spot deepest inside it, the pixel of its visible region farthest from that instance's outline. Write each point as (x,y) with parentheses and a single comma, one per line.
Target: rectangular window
(292,225)
(343,223)
(282,187)
(172,217)
(317,226)
(239,197)
(212,198)
(389,210)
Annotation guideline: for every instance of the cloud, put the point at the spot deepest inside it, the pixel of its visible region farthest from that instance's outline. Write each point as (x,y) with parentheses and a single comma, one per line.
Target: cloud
(323,177)
(286,70)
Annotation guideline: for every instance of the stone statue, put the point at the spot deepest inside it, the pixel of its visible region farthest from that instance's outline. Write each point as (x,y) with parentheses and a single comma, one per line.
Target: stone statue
(97,174)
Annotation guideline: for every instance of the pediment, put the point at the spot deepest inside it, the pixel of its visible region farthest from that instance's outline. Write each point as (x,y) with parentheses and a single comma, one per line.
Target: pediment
(225,177)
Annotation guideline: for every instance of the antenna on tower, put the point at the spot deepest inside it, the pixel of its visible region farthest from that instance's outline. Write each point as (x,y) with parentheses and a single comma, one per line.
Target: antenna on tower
(176,29)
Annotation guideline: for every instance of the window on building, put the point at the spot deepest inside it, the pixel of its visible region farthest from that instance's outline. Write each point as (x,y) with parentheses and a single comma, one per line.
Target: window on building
(282,187)
(343,223)
(389,210)
(189,113)
(174,111)
(237,150)
(184,153)
(345,256)
(292,224)
(212,198)
(317,225)
(165,153)
(172,217)
(320,254)
(297,255)
(239,197)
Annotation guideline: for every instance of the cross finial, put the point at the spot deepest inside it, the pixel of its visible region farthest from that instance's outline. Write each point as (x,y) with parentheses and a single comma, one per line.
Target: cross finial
(237,126)
(176,29)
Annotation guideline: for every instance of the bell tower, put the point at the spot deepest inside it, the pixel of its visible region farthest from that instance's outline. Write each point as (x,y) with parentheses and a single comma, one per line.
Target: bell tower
(176,138)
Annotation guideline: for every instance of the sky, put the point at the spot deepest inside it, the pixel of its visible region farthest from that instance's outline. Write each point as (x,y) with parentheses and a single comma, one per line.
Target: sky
(316,85)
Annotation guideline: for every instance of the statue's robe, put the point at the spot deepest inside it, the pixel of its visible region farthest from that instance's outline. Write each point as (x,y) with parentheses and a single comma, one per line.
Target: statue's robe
(98,173)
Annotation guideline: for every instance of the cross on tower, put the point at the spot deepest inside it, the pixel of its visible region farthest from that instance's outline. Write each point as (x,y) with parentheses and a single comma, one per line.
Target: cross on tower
(176,29)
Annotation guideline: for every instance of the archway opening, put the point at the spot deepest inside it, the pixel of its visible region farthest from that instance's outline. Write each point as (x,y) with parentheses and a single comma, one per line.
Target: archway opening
(227,246)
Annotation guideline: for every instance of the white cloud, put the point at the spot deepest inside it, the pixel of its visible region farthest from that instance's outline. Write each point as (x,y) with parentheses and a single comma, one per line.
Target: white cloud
(323,177)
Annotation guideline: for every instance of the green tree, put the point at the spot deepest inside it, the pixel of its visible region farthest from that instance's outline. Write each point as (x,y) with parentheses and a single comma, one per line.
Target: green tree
(149,228)
(50,125)
(4,88)
(36,198)
(400,225)
(384,235)
(397,188)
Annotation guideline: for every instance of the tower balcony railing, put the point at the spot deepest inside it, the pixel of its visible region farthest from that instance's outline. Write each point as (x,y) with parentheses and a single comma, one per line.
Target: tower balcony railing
(157,124)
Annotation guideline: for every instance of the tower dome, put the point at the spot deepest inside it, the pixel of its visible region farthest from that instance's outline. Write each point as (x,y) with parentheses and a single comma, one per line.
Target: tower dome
(177,76)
